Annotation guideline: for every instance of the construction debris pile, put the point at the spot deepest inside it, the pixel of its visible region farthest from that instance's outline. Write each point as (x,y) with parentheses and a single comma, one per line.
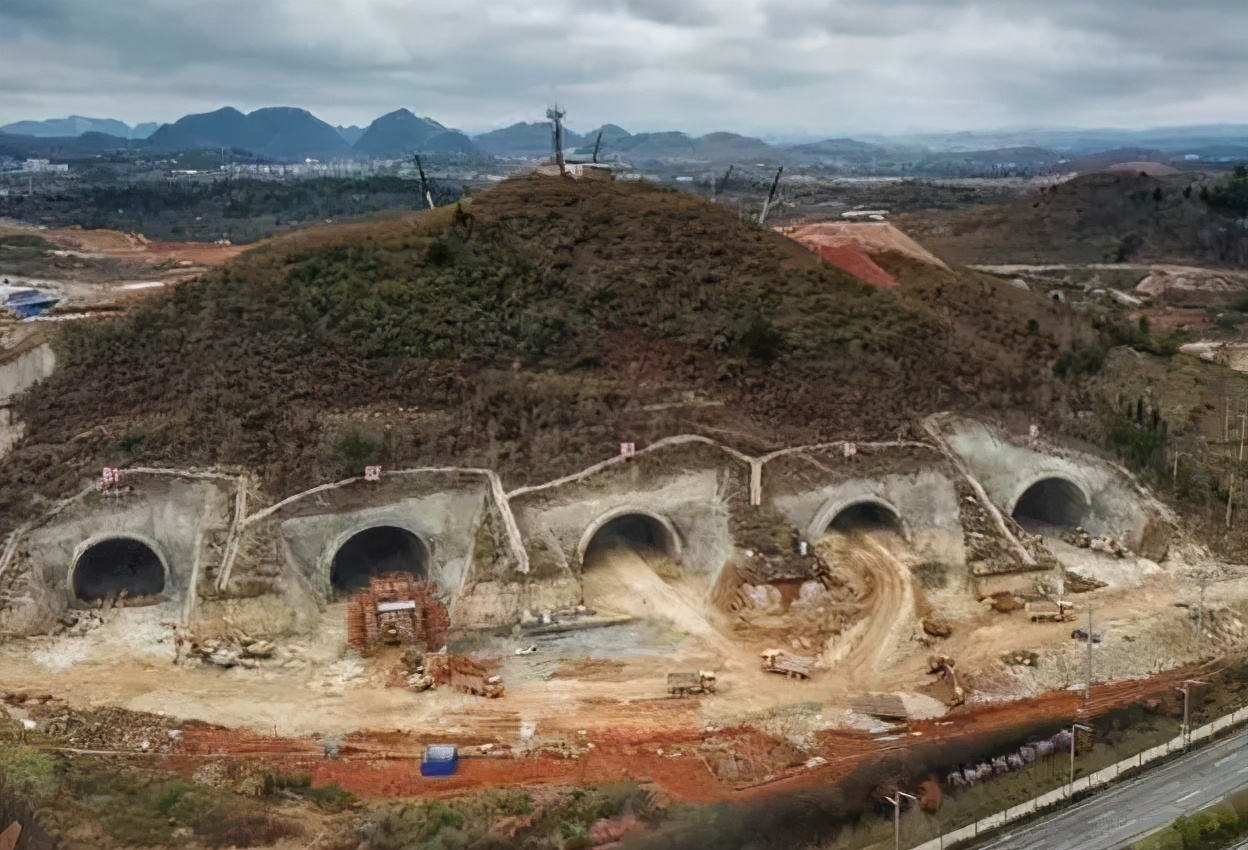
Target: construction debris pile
(1083,540)
(237,650)
(463,674)
(108,729)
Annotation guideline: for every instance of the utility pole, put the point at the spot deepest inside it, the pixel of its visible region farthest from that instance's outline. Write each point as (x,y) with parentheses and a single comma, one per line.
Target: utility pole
(597,145)
(896,801)
(424,184)
(555,115)
(1187,709)
(775,184)
(1074,736)
(1200,614)
(1087,688)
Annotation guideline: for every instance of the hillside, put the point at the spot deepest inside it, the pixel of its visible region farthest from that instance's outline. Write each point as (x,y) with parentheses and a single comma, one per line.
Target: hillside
(528,333)
(279,132)
(76,125)
(401,133)
(1097,218)
(531,139)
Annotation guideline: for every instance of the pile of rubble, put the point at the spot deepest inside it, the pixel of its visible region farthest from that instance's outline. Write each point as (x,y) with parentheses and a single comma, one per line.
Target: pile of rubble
(411,671)
(1083,540)
(76,623)
(105,729)
(237,650)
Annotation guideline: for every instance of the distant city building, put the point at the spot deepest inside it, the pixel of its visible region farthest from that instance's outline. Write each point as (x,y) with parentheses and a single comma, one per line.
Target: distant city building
(41,166)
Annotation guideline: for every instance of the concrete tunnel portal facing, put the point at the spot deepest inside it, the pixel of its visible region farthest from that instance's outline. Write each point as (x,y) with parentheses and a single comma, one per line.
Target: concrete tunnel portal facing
(865,515)
(374,551)
(1052,500)
(118,566)
(645,533)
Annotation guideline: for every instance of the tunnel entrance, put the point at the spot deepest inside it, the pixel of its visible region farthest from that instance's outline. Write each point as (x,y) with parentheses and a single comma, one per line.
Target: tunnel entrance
(865,516)
(637,533)
(119,568)
(1052,501)
(374,551)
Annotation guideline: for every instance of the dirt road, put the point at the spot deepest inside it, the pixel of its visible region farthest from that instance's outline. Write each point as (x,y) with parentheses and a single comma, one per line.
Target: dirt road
(886,592)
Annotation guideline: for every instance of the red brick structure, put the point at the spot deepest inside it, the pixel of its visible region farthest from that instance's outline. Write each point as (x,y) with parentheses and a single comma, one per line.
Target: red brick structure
(397,608)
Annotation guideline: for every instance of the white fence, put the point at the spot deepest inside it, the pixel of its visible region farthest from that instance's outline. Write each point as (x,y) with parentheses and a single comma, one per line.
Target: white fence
(1082,785)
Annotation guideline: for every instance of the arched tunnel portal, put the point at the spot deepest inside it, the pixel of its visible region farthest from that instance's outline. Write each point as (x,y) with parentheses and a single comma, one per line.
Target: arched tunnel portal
(865,515)
(645,534)
(118,567)
(1052,500)
(374,551)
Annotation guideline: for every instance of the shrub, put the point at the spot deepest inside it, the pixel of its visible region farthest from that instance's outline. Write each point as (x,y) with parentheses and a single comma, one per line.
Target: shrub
(27,771)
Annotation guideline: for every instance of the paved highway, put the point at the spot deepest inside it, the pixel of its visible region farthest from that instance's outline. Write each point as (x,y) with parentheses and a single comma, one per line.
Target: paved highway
(1115,818)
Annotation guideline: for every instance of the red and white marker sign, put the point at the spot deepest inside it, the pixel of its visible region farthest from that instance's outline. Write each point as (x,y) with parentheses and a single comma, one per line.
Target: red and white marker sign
(628,450)
(1034,431)
(372,473)
(111,476)
(851,449)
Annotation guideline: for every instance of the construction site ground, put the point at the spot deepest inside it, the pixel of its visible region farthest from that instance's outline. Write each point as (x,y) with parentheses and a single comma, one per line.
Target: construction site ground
(591,704)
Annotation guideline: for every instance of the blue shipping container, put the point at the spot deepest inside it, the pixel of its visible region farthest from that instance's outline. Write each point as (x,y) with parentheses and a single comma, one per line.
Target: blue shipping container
(439,760)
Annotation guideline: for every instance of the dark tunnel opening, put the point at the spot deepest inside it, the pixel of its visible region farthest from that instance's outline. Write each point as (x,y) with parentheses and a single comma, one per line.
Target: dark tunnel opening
(1052,501)
(375,551)
(645,535)
(119,568)
(865,516)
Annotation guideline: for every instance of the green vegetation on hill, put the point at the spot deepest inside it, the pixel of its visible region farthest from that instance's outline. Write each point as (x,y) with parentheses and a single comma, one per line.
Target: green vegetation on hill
(1099,218)
(530,331)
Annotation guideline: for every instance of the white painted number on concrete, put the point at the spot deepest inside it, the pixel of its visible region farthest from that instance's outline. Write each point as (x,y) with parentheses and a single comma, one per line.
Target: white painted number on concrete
(111,475)
(372,473)
(628,449)
(851,449)
(1034,431)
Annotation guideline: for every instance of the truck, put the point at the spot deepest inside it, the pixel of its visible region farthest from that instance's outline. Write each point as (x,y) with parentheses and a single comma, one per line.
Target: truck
(787,664)
(684,684)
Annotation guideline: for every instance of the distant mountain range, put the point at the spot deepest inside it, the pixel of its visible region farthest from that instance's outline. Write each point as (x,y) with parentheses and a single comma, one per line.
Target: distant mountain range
(76,125)
(291,134)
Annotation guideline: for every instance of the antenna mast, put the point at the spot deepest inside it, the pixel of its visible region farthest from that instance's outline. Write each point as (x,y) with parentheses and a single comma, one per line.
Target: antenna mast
(555,115)
(597,145)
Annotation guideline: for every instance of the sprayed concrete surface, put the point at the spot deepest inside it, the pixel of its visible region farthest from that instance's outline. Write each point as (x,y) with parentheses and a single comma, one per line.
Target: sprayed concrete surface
(649,541)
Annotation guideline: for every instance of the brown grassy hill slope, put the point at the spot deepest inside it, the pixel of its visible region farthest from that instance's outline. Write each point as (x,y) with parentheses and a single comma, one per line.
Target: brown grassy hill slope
(531,331)
(1098,218)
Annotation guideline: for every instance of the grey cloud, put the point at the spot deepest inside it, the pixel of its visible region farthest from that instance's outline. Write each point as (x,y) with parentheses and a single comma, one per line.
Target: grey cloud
(815,65)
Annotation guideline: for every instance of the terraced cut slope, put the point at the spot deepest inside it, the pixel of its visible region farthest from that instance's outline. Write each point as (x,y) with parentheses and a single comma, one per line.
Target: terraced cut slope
(528,330)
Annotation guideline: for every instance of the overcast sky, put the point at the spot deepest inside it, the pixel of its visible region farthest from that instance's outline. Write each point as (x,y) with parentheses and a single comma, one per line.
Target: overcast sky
(828,67)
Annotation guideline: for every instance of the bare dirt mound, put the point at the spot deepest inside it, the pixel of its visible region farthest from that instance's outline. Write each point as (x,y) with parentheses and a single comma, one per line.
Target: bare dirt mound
(622,580)
(850,245)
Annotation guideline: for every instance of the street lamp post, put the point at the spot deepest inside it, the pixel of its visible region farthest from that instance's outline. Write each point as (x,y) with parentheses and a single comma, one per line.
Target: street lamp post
(1186,690)
(896,801)
(1075,729)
